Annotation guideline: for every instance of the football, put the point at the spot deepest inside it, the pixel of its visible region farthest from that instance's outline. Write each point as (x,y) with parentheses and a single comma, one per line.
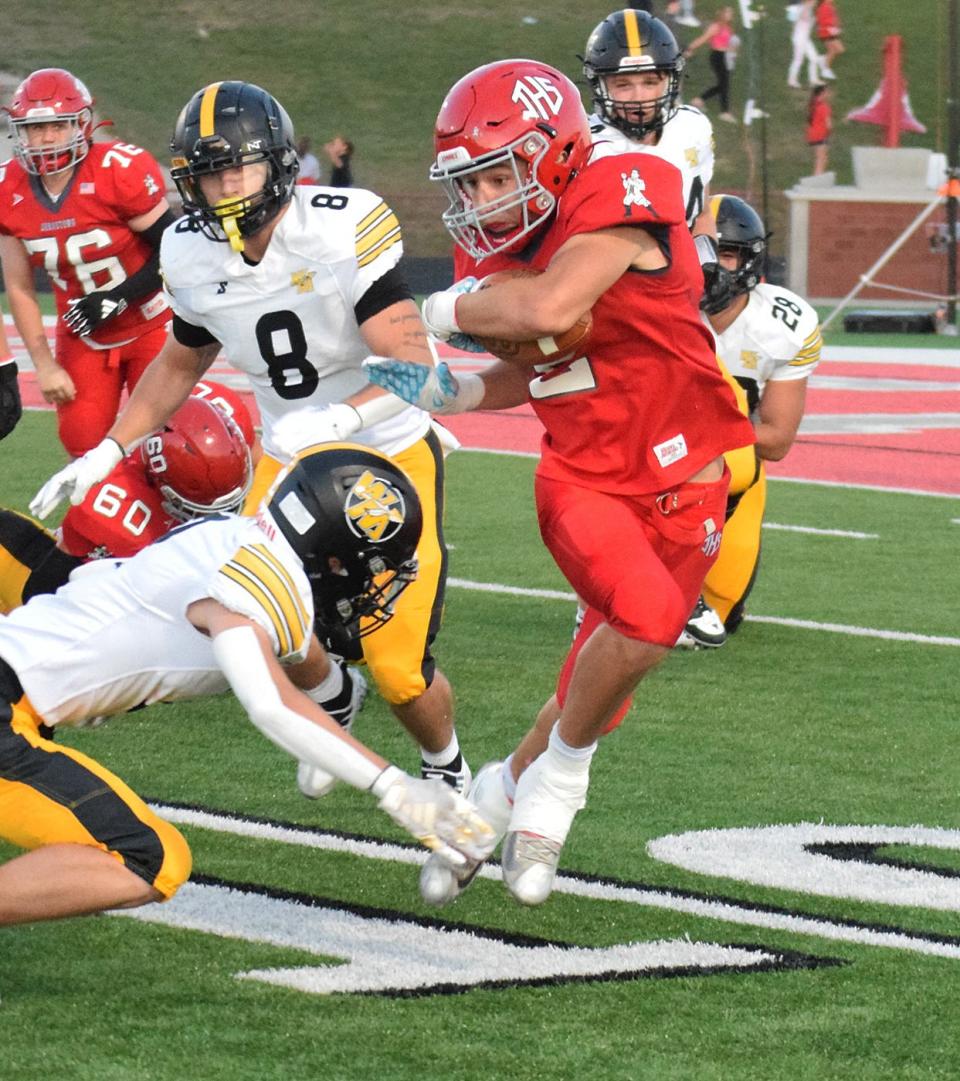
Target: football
(554,349)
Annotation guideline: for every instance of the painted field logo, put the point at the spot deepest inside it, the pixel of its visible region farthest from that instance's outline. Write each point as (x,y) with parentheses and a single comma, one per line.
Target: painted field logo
(394,953)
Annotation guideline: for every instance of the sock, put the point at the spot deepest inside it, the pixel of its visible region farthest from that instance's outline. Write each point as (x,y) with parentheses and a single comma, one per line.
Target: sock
(329,687)
(574,759)
(442,758)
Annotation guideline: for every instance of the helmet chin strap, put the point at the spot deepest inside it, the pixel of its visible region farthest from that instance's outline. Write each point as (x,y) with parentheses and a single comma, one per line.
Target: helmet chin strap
(228,222)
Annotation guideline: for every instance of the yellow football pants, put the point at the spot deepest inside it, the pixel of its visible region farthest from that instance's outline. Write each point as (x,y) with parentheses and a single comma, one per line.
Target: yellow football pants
(30,561)
(730,579)
(56,795)
(398,653)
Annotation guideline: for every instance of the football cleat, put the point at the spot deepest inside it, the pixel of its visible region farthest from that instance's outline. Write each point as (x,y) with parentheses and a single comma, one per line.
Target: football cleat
(456,773)
(313,781)
(546,803)
(704,629)
(439,883)
(530,866)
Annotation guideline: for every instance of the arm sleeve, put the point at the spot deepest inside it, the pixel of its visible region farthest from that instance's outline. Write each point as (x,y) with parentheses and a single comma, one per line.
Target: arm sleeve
(192,336)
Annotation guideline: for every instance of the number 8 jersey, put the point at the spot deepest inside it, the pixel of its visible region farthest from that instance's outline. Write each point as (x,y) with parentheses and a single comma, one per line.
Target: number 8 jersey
(292,321)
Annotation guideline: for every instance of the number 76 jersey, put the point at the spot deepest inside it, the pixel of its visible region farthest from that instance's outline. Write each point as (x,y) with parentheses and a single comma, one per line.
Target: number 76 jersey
(290,321)
(776,337)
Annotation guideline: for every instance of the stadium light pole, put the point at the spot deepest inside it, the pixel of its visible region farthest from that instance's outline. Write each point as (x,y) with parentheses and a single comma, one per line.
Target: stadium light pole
(953,162)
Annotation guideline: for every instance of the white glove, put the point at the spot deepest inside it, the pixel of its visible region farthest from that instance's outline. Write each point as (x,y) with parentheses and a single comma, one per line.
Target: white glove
(436,815)
(435,389)
(329,424)
(439,309)
(77,478)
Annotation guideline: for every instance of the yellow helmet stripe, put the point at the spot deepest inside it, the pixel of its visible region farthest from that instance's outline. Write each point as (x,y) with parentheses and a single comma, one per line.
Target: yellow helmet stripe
(632,31)
(206,109)
(715,201)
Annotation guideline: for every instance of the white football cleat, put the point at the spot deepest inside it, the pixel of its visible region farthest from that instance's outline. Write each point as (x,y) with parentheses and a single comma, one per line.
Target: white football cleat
(704,629)
(439,883)
(546,803)
(314,782)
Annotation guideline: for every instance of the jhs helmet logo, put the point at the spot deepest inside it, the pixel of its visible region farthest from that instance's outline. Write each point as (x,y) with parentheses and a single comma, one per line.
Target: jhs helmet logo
(540,98)
(374,508)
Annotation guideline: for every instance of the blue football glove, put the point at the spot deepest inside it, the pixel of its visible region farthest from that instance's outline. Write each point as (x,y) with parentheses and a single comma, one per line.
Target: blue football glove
(437,390)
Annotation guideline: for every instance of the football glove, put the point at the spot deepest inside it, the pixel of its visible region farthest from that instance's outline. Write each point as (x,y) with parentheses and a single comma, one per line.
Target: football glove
(77,478)
(86,314)
(439,309)
(435,389)
(437,815)
(11,408)
(304,427)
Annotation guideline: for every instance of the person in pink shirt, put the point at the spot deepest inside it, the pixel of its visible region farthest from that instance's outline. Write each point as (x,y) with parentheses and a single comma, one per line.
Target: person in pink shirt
(720,35)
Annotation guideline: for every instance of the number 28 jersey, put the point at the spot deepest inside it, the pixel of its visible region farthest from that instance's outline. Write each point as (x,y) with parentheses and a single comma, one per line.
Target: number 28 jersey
(775,338)
(289,321)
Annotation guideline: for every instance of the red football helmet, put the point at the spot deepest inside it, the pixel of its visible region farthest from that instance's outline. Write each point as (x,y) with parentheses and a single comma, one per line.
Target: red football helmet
(519,113)
(50,94)
(199,461)
(228,400)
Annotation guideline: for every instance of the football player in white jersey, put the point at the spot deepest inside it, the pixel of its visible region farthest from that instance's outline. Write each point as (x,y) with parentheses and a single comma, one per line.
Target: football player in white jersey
(220,602)
(769,339)
(298,284)
(633,64)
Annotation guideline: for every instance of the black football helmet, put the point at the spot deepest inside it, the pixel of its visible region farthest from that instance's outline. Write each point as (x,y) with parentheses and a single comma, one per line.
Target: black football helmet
(354,519)
(627,42)
(740,229)
(223,126)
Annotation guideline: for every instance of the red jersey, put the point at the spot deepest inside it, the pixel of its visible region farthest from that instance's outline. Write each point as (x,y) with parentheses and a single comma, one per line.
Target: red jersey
(821,121)
(828,22)
(118,517)
(81,239)
(648,406)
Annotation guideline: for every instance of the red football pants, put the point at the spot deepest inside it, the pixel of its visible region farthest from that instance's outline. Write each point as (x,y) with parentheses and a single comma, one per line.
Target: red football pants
(637,562)
(99,376)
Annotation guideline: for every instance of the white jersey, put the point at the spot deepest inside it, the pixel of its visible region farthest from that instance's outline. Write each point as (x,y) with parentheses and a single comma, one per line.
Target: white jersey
(775,338)
(117,636)
(686,142)
(289,321)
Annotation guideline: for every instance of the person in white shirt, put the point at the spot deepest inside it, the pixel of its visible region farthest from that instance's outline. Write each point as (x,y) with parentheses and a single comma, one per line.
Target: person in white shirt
(224,602)
(297,284)
(769,339)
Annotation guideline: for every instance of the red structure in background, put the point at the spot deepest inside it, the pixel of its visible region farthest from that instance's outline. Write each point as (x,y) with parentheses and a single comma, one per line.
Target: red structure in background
(889,107)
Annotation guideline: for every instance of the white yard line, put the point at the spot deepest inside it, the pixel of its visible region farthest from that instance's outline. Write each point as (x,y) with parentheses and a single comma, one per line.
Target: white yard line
(800,624)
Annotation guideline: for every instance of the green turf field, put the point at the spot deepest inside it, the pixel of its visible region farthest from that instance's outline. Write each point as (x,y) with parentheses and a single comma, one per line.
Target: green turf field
(787,724)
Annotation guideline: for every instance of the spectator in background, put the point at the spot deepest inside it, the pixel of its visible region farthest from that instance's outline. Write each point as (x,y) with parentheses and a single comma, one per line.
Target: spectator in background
(340,151)
(91,216)
(720,35)
(819,126)
(828,33)
(682,10)
(803,48)
(10,406)
(309,163)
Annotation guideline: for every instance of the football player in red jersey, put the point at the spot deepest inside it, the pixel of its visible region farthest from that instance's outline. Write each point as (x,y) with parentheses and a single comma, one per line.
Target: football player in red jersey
(631,486)
(199,463)
(91,216)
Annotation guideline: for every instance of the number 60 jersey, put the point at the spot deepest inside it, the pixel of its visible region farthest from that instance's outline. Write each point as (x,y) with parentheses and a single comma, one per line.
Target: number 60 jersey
(292,321)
